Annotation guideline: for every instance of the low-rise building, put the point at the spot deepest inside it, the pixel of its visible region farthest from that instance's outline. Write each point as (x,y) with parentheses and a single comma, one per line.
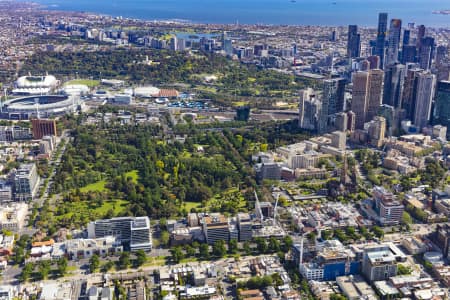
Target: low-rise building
(197,292)
(354,288)
(215,228)
(85,248)
(12,217)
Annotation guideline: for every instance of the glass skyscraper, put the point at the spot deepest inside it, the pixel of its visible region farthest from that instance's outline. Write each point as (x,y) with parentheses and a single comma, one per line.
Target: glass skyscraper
(381,37)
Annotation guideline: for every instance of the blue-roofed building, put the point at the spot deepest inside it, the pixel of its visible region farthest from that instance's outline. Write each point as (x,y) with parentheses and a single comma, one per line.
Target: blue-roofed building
(332,260)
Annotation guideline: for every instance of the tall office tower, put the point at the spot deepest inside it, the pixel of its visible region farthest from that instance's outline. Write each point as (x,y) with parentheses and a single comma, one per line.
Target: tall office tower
(423,96)
(364,65)
(394,78)
(341,121)
(173,43)
(334,36)
(228,46)
(408,102)
(426,52)
(409,54)
(381,38)
(389,114)
(181,44)
(334,94)
(374,93)
(360,82)
(441,113)
(374,61)
(420,35)
(351,119)
(322,120)
(377,131)
(441,55)
(395,30)
(353,42)
(406,37)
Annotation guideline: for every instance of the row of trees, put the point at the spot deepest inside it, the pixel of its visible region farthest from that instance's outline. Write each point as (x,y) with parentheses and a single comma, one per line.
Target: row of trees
(221,249)
(43,269)
(348,234)
(125,261)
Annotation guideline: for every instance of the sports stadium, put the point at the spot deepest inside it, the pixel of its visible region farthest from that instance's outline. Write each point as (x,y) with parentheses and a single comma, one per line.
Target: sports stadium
(40,106)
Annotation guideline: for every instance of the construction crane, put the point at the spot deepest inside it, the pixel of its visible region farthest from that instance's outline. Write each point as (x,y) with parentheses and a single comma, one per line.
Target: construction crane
(258,207)
(275,209)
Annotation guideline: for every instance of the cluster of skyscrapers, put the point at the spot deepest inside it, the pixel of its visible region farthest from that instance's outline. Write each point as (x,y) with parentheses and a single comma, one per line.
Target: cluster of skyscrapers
(405,78)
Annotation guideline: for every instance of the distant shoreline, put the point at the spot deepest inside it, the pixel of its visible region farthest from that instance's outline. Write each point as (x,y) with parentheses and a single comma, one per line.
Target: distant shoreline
(445,12)
(321,13)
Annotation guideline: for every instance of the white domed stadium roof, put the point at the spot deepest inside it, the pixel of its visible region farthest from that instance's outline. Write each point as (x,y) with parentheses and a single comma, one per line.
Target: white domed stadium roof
(76,89)
(146,91)
(36,81)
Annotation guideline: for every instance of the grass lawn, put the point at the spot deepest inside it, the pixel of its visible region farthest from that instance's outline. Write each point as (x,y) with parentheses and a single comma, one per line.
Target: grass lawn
(116,205)
(240,103)
(188,260)
(98,186)
(190,205)
(155,261)
(82,208)
(90,83)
